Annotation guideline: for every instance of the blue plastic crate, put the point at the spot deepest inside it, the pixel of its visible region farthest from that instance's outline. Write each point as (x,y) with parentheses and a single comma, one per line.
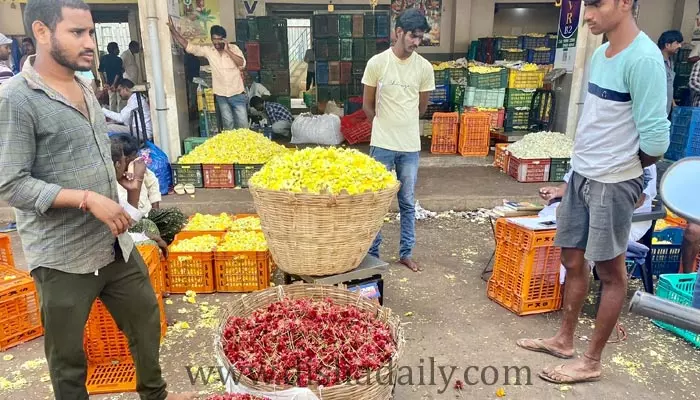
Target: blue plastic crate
(665,258)
(382,26)
(322,72)
(678,288)
(685,133)
(540,56)
(693,147)
(441,94)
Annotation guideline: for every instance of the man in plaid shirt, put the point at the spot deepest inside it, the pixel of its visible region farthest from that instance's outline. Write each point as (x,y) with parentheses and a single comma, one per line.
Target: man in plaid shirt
(59,176)
(277,115)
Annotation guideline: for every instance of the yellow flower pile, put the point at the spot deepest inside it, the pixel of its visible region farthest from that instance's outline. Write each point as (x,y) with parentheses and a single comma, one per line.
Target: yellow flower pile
(540,35)
(512,50)
(243,241)
(322,170)
(246,224)
(199,244)
(484,70)
(205,222)
(483,109)
(240,146)
(529,67)
(542,49)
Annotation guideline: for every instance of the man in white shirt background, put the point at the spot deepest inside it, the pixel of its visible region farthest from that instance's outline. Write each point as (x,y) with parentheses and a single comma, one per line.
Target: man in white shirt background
(126,121)
(132,66)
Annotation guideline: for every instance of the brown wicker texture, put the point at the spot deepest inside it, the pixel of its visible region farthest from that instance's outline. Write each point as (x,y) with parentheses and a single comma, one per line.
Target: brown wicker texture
(379,385)
(319,235)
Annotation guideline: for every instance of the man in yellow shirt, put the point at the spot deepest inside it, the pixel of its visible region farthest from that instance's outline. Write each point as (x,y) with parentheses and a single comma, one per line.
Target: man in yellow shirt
(397,85)
(227,62)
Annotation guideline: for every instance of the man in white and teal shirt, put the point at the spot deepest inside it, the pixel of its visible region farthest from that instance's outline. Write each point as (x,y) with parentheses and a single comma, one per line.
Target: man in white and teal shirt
(623,128)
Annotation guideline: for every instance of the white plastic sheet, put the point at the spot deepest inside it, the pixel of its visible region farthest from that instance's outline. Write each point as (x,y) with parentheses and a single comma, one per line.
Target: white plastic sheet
(317,129)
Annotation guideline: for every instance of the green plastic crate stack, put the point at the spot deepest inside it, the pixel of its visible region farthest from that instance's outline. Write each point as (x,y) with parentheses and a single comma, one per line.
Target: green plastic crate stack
(486,90)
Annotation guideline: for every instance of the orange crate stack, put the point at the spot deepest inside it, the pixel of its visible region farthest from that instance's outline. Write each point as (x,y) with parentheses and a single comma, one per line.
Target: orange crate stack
(152,258)
(497,117)
(525,277)
(103,342)
(445,133)
(190,270)
(500,158)
(20,317)
(6,250)
(475,134)
(111,378)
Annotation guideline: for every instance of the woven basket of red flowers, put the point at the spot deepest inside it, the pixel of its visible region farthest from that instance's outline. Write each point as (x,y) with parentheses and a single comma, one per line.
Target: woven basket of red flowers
(310,341)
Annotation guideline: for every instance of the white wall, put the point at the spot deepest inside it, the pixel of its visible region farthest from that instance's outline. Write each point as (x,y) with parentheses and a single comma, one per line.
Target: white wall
(11,19)
(656,16)
(517,21)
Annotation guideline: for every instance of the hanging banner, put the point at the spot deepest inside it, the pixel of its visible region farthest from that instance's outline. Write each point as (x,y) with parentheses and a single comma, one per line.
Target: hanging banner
(568,34)
(196,19)
(432,9)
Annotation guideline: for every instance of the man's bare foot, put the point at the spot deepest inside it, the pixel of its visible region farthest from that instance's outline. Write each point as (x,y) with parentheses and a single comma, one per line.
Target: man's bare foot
(585,369)
(182,396)
(549,346)
(412,265)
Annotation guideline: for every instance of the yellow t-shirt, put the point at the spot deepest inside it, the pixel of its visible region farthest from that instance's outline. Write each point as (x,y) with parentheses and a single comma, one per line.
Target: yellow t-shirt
(399,83)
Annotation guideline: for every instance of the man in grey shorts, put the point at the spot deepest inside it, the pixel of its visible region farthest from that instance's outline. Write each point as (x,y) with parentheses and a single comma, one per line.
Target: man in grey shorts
(623,128)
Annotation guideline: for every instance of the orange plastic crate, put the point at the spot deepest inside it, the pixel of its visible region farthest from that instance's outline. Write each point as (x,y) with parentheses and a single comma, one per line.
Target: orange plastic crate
(672,219)
(6,250)
(497,117)
(152,258)
(525,277)
(103,342)
(500,157)
(111,378)
(242,272)
(475,134)
(20,317)
(190,270)
(445,133)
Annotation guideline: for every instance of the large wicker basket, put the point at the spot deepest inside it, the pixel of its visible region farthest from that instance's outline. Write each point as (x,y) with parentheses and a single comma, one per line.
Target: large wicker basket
(319,235)
(378,385)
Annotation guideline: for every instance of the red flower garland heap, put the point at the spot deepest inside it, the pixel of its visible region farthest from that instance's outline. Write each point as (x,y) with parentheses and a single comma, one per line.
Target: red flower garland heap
(305,342)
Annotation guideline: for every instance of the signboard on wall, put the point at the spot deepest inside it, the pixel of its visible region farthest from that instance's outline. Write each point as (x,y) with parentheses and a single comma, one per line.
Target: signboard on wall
(568,34)
(194,18)
(432,9)
(249,8)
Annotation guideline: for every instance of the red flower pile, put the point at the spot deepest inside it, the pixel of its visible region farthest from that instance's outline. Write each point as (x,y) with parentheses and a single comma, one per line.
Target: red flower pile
(303,342)
(229,396)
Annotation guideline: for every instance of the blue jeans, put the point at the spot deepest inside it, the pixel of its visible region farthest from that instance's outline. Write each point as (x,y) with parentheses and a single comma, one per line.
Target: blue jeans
(234,111)
(406,167)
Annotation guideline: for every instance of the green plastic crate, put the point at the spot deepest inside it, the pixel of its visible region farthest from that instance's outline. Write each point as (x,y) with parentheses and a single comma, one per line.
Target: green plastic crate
(309,99)
(518,98)
(518,55)
(334,93)
(243,172)
(678,288)
(212,123)
(517,120)
(253,32)
(191,142)
(285,101)
(487,98)
(358,50)
(493,80)
(442,77)
(457,95)
(558,169)
(187,173)
(346,49)
(370,48)
(458,75)
(345,26)
(324,93)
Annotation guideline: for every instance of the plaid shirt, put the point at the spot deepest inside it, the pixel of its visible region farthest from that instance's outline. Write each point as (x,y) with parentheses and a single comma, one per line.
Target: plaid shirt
(47,145)
(694,84)
(277,112)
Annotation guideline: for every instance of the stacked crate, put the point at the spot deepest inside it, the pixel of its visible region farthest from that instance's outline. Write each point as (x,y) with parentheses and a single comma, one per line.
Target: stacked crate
(343,43)
(485,93)
(525,277)
(111,366)
(521,88)
(533,48)
(682,67)
(264,42)
(20,320)
(685,133)
(538,48)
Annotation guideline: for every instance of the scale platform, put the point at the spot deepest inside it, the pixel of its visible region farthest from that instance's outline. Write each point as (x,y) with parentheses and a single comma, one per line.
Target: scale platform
(369,272)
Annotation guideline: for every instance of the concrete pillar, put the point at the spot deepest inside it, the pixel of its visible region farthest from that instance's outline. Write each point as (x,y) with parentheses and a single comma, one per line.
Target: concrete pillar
(174,80)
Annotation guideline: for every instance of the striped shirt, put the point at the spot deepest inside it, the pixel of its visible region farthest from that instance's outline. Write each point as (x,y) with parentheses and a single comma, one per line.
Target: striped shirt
(46,145)
(624,112)
(5,73)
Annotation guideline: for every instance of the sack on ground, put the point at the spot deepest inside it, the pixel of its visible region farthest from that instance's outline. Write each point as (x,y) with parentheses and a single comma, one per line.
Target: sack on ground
(317,129)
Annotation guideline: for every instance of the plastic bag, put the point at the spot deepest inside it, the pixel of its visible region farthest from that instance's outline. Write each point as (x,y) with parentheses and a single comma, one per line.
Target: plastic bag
(317,129)
(157,161)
